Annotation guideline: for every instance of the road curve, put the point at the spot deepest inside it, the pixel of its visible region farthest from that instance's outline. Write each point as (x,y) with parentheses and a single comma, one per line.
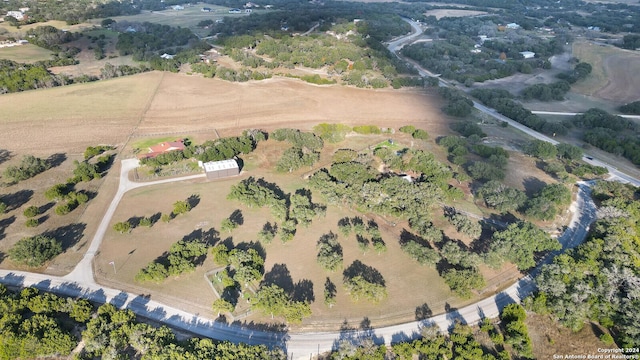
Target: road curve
(83,272)
(80,282)
(299,345)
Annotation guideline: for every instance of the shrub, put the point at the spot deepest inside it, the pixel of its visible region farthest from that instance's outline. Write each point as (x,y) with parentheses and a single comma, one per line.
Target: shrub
(407,129)
(32,222)
(420,134)
(31,211)
(35,251)
(63,209)
(367,129)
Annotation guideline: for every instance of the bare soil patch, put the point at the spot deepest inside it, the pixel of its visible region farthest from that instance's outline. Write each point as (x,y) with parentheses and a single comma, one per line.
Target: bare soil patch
(550,338)
(190,104)
(440,13)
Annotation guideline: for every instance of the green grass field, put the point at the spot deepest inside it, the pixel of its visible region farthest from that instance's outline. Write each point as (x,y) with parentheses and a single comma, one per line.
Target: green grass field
(25,53)
(189,17)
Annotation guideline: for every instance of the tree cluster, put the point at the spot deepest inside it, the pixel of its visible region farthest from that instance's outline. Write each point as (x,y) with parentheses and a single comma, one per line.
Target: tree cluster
(329,252)
(516,333)
(599,280)
(364,282)
(29,167)
(35,324)
(515,111)
(182,257)
(35,251)
(631,108)
(610,133)
(273,300)
(519,243)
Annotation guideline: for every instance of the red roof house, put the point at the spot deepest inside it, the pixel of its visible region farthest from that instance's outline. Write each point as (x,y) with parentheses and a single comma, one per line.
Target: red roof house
(163,147)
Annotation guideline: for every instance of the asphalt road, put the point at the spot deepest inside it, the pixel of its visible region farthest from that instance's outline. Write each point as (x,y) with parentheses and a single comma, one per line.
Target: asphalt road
(417,31)
(297,345)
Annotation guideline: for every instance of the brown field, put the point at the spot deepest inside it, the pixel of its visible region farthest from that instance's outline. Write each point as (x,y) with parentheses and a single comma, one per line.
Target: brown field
(440,13)
(615,75)
(70,118)
(190,103)
(67,119)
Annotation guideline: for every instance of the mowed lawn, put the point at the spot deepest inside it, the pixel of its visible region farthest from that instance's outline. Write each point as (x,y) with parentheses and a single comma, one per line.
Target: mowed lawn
(27,53)
(189,17)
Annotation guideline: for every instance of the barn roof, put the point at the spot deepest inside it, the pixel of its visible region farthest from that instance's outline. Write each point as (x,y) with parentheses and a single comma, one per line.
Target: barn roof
(220,165)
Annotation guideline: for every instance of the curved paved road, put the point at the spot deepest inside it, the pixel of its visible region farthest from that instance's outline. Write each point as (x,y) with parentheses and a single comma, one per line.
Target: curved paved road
(80,282)
(297,345)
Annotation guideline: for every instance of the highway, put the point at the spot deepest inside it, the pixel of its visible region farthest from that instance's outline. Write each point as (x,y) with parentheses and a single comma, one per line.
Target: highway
(417,31)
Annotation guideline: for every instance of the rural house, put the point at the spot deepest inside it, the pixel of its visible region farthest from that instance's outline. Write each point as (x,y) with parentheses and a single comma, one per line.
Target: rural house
(163,147)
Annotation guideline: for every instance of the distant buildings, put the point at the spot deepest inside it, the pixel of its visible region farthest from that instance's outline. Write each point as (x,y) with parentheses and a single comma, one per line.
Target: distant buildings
(18,15)
(528,54)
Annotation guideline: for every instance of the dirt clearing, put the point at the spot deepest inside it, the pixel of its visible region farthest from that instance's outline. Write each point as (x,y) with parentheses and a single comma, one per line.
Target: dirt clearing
(187,103)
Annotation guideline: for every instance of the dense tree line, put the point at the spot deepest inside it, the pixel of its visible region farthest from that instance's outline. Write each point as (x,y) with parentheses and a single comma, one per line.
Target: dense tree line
(36,324)
(152,39)
(547,92)
(515,111)
(51,38)
(16,77)
(610,133)
(631,108)
(599,280)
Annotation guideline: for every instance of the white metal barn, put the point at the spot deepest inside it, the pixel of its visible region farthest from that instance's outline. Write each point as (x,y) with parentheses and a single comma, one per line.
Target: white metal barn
(221,169)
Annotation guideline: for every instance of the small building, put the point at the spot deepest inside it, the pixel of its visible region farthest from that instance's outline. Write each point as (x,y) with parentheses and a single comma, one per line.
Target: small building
(18,15)
(167,56)
(513,26)
(235,11)
(527,54)
(163,147)
(206,9)
(177,7)
(221,169)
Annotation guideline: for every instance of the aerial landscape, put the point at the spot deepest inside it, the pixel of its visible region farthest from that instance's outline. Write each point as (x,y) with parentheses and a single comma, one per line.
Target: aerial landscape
(323,179)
